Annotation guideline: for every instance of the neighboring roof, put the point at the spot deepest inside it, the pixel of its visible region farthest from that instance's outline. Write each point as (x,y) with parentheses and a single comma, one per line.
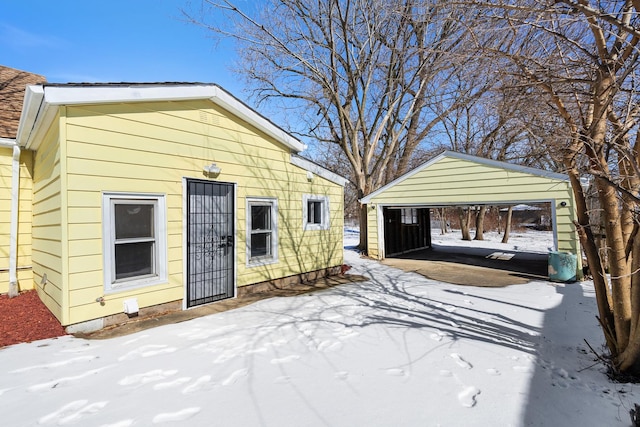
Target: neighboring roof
(42,101)
(470,158)
(313,167)
(12,87)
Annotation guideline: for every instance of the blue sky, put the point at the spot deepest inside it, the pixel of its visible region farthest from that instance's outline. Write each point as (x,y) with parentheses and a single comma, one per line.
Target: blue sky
(112,41)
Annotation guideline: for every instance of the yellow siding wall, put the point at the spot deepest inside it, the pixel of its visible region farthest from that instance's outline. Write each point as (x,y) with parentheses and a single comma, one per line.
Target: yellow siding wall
(48,236)
(150,148)
(24,273)
(456,181)
(372,233)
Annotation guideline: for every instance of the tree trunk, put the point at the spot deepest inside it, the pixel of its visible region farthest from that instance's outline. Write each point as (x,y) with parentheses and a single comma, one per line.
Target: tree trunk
(363,229)
(443,220)
(629,359)
(590,248)
(480,223)
(507,225)
(465,220)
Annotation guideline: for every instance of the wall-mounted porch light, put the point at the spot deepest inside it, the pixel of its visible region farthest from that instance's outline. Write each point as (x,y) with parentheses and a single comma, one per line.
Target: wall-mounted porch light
(211,170)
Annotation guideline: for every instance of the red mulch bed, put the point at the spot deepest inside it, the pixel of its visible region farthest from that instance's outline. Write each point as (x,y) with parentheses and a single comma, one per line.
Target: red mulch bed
(25,318)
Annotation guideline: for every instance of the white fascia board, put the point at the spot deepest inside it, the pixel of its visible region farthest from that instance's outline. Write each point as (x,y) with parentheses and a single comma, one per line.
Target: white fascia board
(44,119)
(318,170)
(229,102)
(468,157)
(109,94)
(33,100)
(505,165)
(39,99)
(7,142)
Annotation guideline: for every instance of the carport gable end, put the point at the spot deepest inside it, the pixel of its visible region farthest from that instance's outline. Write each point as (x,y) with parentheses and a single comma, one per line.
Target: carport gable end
(456,179)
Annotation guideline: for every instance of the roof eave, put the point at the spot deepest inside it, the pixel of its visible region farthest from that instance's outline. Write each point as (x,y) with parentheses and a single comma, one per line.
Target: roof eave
(229,102)
(318,170)
(31,112)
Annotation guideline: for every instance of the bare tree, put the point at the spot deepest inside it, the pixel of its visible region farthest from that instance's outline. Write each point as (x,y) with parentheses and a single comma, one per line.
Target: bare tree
(363,74)
(580,59)
(464,216)
(507,225)
(504,124)
(480,215)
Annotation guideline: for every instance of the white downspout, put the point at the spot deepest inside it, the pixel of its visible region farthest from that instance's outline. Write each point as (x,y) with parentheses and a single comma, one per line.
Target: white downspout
(13,233)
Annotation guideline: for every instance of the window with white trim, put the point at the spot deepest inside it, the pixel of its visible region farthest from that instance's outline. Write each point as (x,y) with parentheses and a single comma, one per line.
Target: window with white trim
(315,212)
(262,231)
(134,240)
(409,216)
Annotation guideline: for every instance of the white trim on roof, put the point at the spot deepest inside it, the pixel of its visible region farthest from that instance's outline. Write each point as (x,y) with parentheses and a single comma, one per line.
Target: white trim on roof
(318,170)
(505,165)
(470,158)
(232,104)
(40,99)
(7,142)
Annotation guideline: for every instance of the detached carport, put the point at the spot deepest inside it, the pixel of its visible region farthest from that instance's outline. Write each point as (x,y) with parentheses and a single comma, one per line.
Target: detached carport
(398,213)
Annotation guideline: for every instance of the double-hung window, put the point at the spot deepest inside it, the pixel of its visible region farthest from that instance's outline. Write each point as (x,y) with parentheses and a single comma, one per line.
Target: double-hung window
(315,212)
(262,231)
(134,240)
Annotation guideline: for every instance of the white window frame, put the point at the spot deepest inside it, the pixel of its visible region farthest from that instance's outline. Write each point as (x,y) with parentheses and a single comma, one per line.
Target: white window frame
(109,200)
(272,258)
(324,223)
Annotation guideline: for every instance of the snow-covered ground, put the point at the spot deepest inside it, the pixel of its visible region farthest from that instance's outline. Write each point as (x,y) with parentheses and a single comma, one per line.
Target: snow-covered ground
(397,350)
(529,241)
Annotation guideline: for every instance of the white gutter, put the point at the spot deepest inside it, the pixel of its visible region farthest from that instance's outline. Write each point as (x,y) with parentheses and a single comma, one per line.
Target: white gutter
(13,231)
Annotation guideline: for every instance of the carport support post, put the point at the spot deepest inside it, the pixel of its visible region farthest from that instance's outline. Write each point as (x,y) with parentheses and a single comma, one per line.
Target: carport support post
(563,212)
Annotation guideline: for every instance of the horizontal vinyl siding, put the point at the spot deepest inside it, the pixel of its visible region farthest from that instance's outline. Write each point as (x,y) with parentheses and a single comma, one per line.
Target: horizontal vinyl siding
(299,250)
(24,273)
(47,224)
(471,184)
(373,249)
(150,148)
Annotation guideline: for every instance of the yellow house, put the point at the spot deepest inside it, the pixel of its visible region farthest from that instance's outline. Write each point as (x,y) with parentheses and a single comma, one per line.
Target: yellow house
(164,196)
(15,178)
(401,208)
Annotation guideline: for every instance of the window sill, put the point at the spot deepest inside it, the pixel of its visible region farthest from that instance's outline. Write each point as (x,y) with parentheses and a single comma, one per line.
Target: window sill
(261,262)
(315,227)
(129,285)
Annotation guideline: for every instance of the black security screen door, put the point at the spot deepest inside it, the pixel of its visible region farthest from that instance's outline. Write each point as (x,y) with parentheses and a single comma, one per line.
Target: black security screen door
(210,237)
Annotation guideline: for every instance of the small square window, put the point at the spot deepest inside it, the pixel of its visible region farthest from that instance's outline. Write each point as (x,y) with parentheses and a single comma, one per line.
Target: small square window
(409,216)
(133,239)
(315,212)
(261,231)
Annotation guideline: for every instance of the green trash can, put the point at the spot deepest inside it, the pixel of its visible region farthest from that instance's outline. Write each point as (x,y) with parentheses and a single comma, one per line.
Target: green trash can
(562,266)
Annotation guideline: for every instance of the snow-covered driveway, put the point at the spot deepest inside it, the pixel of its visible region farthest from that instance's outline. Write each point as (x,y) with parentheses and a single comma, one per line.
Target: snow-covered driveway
(398,350)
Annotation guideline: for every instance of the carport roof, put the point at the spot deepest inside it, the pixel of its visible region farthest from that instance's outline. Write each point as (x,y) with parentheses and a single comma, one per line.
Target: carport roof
(468,157)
